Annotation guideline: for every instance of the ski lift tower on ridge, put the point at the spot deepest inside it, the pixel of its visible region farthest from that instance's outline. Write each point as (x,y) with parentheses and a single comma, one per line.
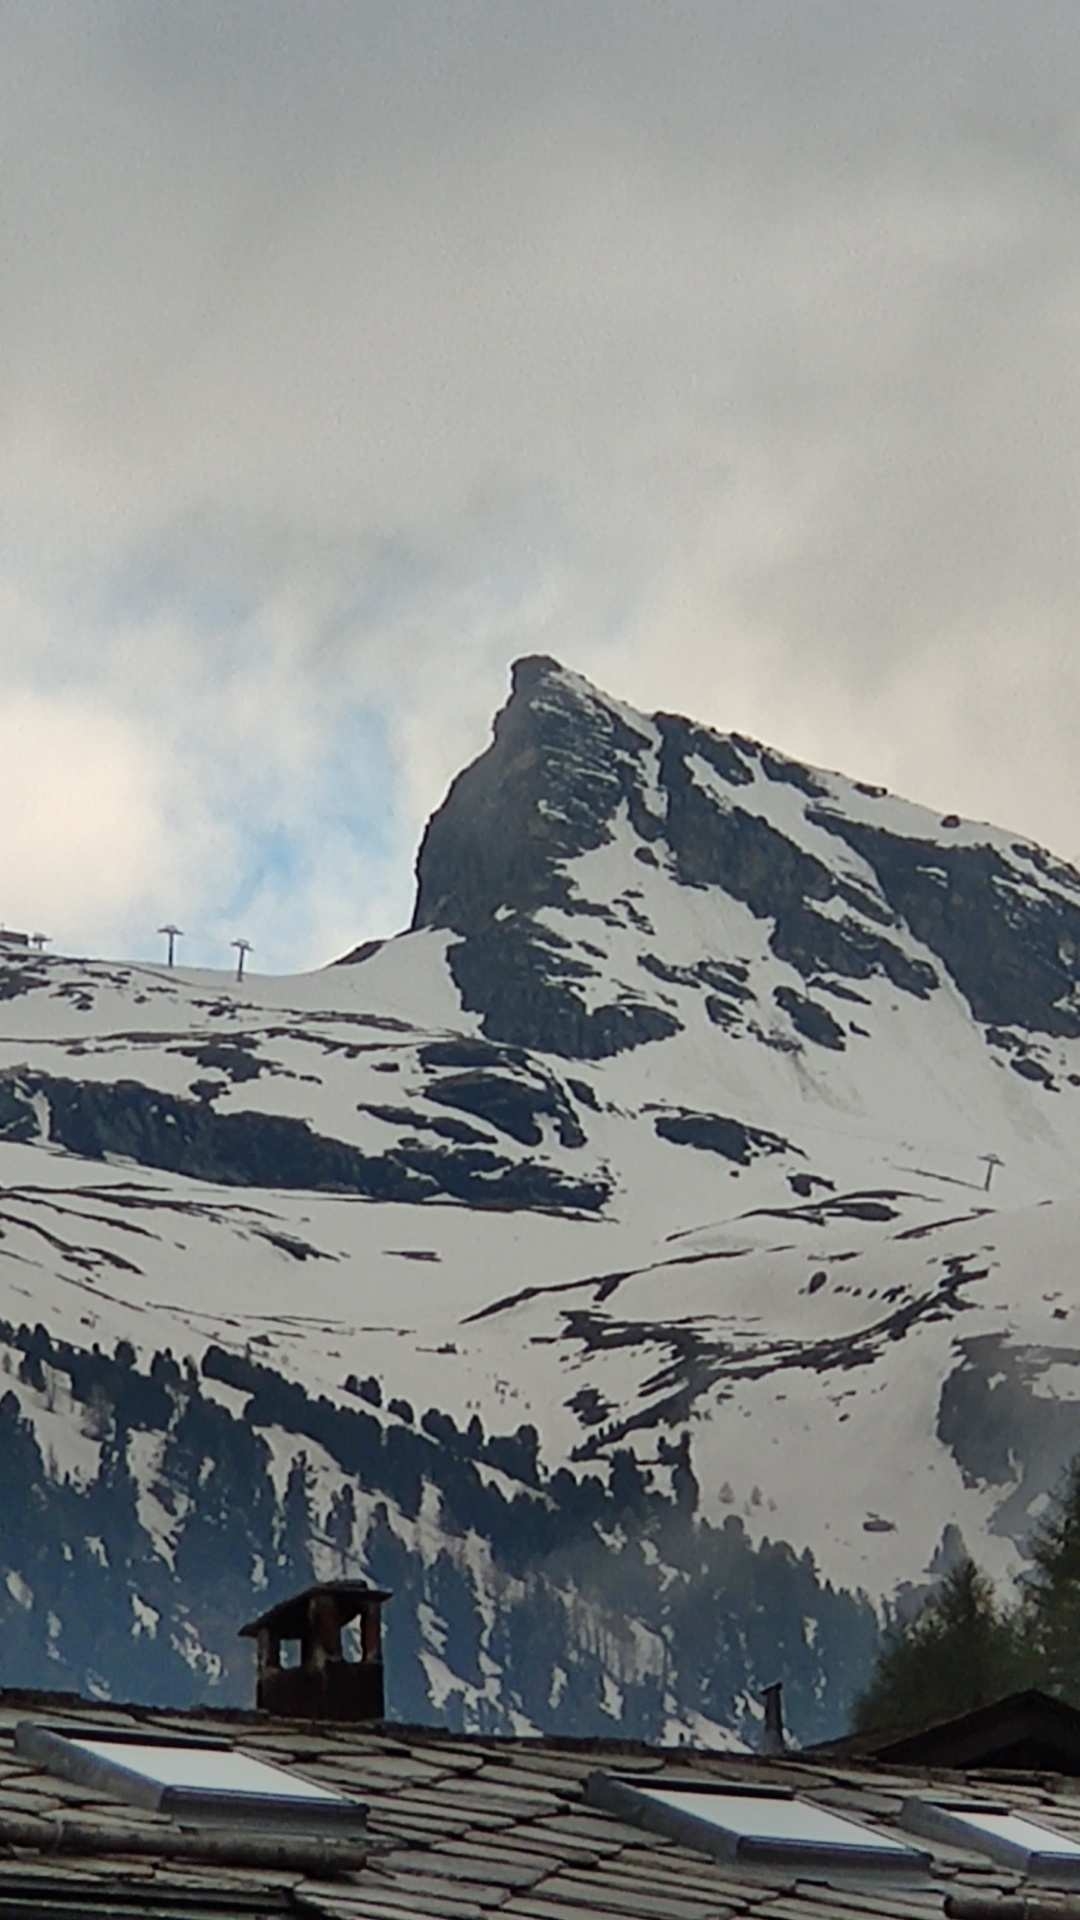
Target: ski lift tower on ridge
(992,1161)
(243,948)
(172,935)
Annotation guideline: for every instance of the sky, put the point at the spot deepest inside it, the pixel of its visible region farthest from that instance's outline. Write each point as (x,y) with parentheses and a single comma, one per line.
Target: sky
(725,349)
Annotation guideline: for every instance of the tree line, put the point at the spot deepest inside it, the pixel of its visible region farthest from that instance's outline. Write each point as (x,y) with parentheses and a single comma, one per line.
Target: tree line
(967,1646)
(189,1497)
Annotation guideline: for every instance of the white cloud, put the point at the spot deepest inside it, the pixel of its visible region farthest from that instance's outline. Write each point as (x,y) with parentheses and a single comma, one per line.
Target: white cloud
(83,815)
(725,352)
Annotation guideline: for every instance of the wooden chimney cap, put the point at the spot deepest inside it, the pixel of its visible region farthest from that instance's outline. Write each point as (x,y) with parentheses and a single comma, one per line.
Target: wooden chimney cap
(289,1619)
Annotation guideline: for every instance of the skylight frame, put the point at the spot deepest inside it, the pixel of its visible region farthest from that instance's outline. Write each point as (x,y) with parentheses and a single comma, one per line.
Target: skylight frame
(73,1753)
(635,1798)
(953,1818)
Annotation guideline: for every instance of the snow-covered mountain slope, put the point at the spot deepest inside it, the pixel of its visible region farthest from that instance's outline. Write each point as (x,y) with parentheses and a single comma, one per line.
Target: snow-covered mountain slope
(672,1112)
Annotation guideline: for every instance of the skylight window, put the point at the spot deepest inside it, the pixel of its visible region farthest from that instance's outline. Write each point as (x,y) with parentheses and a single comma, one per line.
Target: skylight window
(988,1827)
(759,1825)
(205,1779)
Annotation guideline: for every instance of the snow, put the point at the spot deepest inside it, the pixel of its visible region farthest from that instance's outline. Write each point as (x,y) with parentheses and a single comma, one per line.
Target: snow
(157,1521)
(147,1618)
(694,1730)
(60,1424)
(784,808)
(611,1699)
(796,1392)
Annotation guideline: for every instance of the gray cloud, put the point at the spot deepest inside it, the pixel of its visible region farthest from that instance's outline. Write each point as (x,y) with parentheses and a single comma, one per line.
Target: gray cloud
(724,350)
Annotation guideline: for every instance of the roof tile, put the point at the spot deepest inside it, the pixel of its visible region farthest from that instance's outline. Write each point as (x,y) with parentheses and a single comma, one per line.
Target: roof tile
(498,1827)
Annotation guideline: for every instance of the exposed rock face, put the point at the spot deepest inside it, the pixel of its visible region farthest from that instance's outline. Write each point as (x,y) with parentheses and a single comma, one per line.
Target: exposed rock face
(126,1120)
(1010,941)
(493,855)
(569,773)
(715,1133)
(544,792)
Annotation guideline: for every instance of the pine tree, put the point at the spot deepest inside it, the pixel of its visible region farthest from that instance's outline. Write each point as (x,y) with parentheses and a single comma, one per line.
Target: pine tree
(961,1650)
(295,1526)
(1052,1591)
(341,1527)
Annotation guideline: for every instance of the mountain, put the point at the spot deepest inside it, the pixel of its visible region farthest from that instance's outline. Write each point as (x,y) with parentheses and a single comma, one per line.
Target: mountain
(653,1257)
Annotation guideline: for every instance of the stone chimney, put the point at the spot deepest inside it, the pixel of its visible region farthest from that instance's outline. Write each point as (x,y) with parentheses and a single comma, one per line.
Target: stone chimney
(322,1684)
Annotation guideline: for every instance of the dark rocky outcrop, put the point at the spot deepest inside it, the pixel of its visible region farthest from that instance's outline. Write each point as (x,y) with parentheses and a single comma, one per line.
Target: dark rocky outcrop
(514,1107)
(513,976)
(1012,954)
(567,769)
(717,1133)
(407,1120)
(18,1121)
(544,792)
(810,1018)
(563,767)
(1004,1426)
(126,1120)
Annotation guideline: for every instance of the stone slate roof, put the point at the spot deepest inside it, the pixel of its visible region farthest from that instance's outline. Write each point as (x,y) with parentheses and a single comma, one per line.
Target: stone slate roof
(460,1828)
(1029,1730)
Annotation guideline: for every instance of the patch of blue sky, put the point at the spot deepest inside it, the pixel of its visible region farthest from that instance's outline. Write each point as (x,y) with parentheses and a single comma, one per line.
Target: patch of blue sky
(274,859)
(336,826)
(355,786)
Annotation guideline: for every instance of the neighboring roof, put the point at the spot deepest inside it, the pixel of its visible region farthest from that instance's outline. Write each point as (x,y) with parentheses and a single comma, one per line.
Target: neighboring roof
(460,1827)
(290,1617)
(1026,1730)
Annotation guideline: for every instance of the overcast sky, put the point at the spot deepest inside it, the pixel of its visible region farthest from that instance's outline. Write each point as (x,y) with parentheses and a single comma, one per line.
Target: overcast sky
(726,349)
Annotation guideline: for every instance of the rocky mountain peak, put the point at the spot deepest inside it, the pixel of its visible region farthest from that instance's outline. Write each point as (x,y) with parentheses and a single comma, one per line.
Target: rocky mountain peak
(497,861)
(542,793)
(542,855)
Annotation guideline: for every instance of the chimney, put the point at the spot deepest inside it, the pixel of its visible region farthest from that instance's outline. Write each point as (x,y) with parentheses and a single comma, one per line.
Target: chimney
(323,1685)
(772,1733)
